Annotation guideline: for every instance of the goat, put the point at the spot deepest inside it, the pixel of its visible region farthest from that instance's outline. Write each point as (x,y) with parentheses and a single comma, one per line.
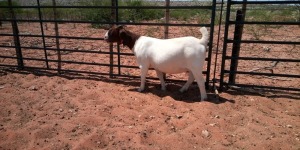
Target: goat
(177,55)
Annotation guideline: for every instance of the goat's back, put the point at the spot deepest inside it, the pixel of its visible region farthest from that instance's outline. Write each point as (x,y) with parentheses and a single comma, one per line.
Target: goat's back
(170,55)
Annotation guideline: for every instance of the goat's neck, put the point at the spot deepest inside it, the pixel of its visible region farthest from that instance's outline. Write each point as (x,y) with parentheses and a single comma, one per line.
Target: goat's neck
(132,38)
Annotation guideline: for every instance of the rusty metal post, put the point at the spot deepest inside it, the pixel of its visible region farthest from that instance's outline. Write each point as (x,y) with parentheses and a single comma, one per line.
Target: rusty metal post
(238,31)
(16,37)
(167,18)
(42,31)
(111,49)
(57,36)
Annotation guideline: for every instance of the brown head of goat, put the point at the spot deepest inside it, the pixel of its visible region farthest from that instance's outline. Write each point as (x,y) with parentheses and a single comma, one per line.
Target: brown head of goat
(120,35)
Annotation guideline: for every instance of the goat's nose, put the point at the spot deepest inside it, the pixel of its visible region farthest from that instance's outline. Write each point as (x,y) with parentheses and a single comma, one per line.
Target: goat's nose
(106,36)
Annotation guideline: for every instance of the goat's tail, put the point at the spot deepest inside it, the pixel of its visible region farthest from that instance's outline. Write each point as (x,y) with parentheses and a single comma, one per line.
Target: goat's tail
(205,36)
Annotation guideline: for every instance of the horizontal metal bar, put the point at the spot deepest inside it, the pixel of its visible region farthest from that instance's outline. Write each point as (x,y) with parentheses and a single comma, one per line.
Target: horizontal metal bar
(58,21)
(152,78)
(11,57)
(67,61)
(264,42)
(10,66)
(87,72)
(71,62)
(265,2)
(52,69)
(71,50)
(67,50)
(261,86)
(114,7)
(264,74)
(264,23)
(119,23)
(123,54)
(52,36)
(75,51)
(263,59)
(74,62)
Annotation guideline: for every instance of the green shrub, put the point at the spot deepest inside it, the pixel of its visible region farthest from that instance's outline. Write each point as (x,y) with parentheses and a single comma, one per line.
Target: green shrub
(5,12)
(104,14)
(95,14)
(202,16)
(138,14)
(271,13)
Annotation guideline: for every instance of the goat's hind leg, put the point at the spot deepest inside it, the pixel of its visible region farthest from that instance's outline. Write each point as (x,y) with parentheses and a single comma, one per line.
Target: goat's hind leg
(160,75)
(188,82)
(200,81)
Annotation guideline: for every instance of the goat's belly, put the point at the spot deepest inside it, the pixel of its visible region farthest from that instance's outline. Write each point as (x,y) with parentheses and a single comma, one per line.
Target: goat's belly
(169,69)
(168,65)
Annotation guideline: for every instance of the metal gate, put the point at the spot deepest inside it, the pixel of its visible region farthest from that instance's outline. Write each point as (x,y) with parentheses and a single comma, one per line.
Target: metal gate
(257,61)
(52,49)
(263,51)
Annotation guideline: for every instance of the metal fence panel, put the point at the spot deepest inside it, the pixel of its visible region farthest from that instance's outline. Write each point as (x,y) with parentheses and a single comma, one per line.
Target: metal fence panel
(265,54)
(68,37)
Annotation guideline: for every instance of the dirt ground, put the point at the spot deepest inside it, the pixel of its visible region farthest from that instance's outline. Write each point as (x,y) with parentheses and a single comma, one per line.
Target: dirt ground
(58,112)
(44,110)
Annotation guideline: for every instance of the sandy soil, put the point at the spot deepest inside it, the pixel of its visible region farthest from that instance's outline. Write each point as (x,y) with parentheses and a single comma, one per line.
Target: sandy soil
(57,112)
(44,110)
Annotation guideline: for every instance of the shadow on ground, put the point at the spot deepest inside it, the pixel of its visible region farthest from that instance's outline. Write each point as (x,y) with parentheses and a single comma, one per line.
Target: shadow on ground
(191,96)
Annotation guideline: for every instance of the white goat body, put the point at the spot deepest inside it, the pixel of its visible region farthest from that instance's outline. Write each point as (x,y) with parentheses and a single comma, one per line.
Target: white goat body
(177,55)
(169,56)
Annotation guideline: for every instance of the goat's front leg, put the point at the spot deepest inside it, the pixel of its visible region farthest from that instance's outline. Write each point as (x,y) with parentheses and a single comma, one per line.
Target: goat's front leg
(160,75)
(144,71)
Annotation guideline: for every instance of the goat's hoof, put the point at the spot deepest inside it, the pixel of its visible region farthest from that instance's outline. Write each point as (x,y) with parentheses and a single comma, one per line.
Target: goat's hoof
(203,98)
(182,90)
(140,90)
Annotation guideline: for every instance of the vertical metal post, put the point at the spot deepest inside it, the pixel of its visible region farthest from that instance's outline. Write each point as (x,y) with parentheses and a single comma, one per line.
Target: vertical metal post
(225,44)
(217,48)
(167,18)
(16,37)
(111,55)
(244,8)
(57,37)
(238,31)
(119,53)
(212,26)
(42,31)
(111,61)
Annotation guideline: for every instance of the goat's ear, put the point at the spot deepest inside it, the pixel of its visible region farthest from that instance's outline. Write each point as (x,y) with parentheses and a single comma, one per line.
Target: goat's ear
(120,27)
(122,34)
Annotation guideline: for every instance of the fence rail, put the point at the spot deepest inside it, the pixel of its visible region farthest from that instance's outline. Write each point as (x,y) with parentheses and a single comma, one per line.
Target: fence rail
(47,47)
(254,77)
(113,53)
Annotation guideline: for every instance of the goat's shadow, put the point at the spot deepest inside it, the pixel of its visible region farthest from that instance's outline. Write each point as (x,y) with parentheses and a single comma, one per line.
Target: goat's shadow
(269,93)
(190,96)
